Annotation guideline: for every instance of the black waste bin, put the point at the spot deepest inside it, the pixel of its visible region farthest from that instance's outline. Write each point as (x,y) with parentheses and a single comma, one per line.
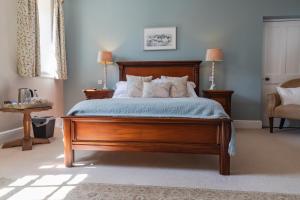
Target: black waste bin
(43,127)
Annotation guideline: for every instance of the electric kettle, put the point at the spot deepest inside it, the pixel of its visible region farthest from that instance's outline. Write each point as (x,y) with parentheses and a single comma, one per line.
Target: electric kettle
(25,95)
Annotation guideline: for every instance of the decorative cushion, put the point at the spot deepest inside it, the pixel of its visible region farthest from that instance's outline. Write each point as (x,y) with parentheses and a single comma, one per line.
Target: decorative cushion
(156,89)
(179,86)
(191,89)
(289,95)
(135,85)
(121,90)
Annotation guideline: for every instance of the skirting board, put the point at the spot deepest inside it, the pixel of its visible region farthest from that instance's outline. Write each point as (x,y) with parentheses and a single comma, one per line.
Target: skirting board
(16,133)
(11,134)
(247,124)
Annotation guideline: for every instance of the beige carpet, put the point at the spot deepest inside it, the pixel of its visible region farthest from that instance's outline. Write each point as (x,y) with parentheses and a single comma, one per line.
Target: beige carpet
(35,190)
(264,163)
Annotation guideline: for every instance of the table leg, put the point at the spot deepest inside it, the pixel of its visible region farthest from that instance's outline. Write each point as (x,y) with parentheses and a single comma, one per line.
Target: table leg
(27,141)
(27,144)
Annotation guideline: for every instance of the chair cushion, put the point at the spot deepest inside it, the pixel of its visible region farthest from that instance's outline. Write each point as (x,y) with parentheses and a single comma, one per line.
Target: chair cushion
(288,111)
(289,95)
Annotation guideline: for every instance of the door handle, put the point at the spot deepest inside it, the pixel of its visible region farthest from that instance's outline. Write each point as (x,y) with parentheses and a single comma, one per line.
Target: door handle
(267,79)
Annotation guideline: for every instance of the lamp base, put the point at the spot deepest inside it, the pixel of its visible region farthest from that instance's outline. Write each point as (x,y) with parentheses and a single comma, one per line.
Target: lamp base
(212,77)
(105,77)
(104,88)
(212,86)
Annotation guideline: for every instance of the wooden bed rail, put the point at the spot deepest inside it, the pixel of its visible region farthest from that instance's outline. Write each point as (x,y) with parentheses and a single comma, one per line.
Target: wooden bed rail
(172,135)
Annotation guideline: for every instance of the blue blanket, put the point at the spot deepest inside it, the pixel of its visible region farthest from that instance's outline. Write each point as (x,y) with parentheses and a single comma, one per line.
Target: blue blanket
(159,107)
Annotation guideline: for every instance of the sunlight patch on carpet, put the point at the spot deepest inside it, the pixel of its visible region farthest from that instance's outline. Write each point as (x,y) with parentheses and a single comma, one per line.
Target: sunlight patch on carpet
(35,187)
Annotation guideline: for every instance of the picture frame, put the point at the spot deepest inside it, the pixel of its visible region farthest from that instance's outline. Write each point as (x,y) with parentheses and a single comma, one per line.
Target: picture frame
(161,38)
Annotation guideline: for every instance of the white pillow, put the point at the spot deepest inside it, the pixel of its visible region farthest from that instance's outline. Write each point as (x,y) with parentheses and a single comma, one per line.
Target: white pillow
(135,85)
(289,95)
(156,89)
(121,90)
(191,89)
(179,86)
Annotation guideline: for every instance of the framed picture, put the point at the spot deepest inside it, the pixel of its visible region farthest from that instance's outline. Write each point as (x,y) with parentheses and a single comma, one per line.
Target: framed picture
(160,38)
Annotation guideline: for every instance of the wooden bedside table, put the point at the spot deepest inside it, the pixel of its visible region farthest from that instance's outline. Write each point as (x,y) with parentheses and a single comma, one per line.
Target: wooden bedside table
(221,96)
(98,94)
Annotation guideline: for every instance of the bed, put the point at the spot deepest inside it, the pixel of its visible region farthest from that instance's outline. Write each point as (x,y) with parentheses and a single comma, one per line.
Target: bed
(150,134)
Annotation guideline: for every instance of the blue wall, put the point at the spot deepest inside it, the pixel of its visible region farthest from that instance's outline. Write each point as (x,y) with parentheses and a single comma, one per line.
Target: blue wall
(236,26)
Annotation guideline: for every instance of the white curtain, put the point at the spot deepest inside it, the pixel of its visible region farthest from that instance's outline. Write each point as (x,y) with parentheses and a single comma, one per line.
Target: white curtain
(59,39)
(28,47)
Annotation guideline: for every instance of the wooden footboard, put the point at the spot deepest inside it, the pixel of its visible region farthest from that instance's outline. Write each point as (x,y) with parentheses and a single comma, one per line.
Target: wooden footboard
(174,135)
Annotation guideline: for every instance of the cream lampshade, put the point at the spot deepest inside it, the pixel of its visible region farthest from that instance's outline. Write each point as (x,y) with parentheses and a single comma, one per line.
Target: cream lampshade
(213,55)
(105,57)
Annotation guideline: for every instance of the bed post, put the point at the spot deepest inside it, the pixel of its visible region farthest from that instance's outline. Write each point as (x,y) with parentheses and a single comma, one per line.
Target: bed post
(69,153)
(224,157)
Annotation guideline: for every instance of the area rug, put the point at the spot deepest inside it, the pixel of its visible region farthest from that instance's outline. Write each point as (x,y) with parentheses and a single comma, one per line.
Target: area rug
(95,191)
(110,192)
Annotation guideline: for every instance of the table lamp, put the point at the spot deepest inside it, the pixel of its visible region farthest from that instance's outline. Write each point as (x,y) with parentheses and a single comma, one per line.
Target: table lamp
(105,58)
(213,55)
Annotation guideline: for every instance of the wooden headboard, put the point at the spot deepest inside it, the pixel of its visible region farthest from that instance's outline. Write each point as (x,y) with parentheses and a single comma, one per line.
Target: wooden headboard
(161,68)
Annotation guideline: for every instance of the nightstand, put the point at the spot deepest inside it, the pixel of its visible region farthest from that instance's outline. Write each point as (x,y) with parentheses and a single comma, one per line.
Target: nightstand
(221,96)
(98,94)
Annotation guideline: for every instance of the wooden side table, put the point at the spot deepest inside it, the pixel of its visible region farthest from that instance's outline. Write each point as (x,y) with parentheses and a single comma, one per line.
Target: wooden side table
(98,94)
(221,96)
(27,141)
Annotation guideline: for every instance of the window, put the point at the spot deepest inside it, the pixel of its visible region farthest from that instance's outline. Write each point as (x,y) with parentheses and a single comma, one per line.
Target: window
(47,45)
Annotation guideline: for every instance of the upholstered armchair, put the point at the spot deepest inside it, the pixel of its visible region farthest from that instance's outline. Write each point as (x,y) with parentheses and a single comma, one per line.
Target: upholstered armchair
(276,110)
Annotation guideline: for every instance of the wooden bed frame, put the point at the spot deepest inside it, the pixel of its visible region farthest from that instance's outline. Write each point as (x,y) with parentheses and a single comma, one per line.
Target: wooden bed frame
(174,135)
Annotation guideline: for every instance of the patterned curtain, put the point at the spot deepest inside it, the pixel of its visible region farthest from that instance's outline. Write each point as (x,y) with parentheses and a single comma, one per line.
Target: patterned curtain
(59,39)
(28,47)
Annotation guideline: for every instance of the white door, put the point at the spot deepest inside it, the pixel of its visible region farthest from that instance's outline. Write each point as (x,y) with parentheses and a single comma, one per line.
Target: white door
(281,56)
